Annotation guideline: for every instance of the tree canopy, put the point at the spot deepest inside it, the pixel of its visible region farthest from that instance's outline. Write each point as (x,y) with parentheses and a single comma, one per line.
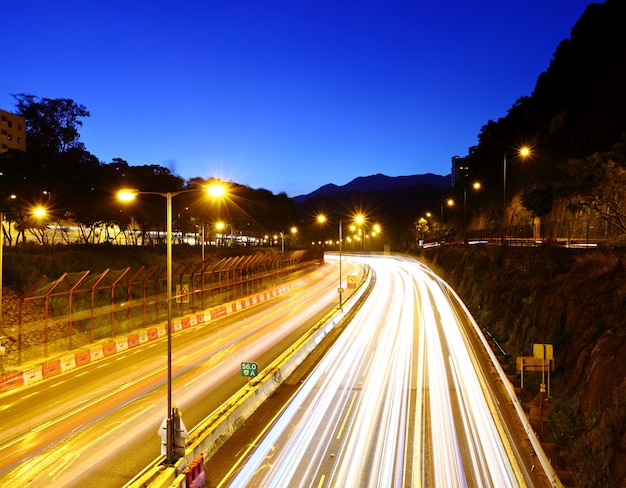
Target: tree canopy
(51,124)
(57,171)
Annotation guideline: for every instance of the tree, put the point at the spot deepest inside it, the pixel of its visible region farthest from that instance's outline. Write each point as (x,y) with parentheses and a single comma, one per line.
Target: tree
(538,201)
(598,183)
(51,124)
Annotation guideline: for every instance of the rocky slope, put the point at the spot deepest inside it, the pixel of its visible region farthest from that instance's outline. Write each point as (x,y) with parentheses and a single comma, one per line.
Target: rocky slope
(575,300)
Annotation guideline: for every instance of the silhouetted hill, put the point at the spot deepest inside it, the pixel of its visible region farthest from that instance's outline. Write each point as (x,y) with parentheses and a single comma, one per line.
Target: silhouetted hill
(577,108)
(379,182)
(395,203)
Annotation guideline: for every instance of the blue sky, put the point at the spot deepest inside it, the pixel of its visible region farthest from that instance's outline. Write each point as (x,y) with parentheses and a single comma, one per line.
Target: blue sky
(283,95)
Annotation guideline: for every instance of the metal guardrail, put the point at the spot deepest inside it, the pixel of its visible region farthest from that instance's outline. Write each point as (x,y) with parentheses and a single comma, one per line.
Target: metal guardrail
(77,309)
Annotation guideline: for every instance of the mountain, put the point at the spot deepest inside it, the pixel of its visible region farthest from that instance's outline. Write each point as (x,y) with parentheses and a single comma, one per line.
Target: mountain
(379,182)
(394,202)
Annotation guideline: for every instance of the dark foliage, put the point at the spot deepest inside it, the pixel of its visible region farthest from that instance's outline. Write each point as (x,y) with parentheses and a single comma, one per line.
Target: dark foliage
(578,107)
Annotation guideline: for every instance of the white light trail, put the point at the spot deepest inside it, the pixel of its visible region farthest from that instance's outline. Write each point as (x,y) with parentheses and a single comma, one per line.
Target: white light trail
(397,401)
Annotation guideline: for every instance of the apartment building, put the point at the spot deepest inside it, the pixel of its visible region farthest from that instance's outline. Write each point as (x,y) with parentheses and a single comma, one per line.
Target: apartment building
(12,132)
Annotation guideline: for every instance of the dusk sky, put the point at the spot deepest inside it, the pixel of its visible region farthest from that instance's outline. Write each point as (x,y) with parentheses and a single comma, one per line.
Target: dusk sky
(283,95)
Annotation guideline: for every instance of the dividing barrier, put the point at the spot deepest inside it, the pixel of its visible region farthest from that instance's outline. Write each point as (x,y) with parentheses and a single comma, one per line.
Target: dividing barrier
(210,434)
(51,368)
(68,363)
(193,475)
(11,380)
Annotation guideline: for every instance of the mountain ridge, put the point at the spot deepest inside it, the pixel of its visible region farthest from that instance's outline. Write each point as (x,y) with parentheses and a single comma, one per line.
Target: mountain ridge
(379,182)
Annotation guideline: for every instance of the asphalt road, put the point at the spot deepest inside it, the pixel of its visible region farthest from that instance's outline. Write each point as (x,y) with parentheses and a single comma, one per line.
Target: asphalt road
(97,425)
(405,396)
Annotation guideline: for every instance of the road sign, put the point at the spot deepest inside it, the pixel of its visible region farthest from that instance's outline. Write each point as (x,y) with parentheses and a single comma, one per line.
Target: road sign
(182,294)
(249,369)
(529,363)
(351,281)
(543,351)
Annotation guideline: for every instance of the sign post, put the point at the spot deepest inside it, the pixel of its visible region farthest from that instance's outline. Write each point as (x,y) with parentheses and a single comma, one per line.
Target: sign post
(543,352)
(3,351)
(249,370)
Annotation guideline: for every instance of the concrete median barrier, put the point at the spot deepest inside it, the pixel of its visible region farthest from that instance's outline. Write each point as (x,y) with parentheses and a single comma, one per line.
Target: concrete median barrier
(210,435)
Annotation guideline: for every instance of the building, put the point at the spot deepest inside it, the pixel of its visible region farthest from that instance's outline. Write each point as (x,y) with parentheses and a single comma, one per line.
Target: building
(12,132)
(461,167)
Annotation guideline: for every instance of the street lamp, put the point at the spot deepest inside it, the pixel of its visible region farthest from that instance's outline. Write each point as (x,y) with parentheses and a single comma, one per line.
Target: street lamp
(38,212)
(476,186)
(322,219)
(293,230)
(220,226)
(449,202)
(127,195)
(359,219)
(523,152)
(375,231)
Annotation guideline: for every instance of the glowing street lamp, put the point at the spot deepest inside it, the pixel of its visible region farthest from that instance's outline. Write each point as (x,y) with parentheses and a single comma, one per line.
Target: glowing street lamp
(215,190)
(38,212)
(293,230)
(450,203)
(322,219)
(359,220)
(219,227)
(523,152)
(128,195)
(475,186)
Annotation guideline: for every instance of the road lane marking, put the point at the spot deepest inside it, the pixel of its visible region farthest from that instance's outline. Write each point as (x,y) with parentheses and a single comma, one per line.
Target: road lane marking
(346,416)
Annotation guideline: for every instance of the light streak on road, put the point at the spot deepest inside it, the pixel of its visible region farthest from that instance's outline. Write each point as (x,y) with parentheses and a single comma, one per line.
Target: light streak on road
(57,431)
(400,399)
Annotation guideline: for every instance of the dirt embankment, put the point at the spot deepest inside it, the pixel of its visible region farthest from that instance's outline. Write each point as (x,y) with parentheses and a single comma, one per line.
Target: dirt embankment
(576,301)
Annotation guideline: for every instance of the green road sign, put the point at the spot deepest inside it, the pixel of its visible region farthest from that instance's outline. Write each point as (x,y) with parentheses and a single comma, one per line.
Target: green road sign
(249,369)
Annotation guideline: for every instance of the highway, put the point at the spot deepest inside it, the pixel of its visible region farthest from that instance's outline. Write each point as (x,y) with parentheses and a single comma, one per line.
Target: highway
(97,425)
(406,397)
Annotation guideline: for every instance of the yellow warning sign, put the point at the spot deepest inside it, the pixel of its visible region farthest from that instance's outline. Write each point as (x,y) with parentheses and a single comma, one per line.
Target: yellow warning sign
(351,279)
(182,294)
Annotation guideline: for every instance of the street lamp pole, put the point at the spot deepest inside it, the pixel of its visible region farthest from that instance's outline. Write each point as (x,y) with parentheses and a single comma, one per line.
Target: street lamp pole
(476,186)
(449,202)
(203,239)
(503,241)
(322,219)
(170,416)
(465,213)
(340,289)
(127,195)
(524,151)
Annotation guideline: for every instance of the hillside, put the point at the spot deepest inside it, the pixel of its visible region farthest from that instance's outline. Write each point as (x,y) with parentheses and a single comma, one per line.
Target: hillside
(577,109)
(576,301)
(379,182)
(394,203)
